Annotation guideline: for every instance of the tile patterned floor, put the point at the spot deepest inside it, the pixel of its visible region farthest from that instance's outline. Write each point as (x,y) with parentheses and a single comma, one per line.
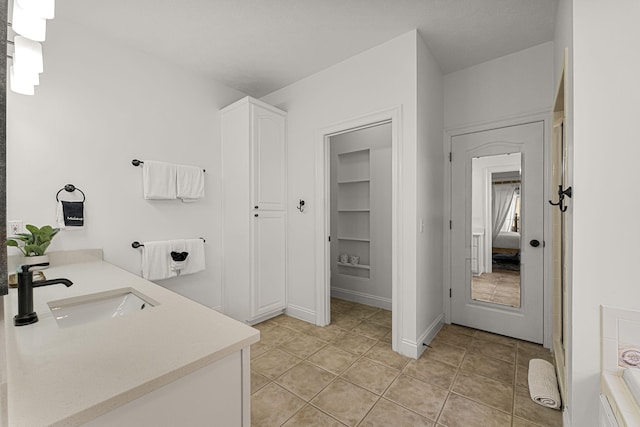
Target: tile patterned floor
(347,375)
(500,287)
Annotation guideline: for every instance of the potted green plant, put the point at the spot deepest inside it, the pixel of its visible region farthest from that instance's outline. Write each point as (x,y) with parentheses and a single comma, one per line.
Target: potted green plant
(34,244)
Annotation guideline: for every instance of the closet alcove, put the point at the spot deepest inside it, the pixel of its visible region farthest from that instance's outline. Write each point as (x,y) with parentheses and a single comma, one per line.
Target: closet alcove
(360,218)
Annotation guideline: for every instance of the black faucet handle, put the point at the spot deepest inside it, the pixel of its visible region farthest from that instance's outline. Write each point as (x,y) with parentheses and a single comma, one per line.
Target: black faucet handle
(25,267)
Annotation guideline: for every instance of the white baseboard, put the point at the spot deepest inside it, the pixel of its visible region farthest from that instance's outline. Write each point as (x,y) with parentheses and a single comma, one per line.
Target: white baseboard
(566,419)
(301,313)
(415,349)
(362,298)
(219,309)
(263,317)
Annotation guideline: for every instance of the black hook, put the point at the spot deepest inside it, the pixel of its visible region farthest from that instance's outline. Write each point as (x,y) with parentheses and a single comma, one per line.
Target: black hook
(301,205)
(561,194)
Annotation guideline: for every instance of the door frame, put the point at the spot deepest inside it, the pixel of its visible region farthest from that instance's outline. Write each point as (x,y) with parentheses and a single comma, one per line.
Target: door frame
(544,116)
(323,213)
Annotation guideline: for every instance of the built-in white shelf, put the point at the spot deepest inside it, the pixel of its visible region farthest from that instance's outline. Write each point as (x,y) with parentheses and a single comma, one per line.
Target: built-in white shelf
(363,267)
(354,239)
(354,181)
(353,205)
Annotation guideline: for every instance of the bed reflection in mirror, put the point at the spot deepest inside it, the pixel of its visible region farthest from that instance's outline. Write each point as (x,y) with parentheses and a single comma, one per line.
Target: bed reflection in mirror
(496,222)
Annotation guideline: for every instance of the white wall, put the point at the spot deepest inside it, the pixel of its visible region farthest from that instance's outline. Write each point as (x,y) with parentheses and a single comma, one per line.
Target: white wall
(431,158)
(511,86)
(100,105)
(377,79)
(605,246)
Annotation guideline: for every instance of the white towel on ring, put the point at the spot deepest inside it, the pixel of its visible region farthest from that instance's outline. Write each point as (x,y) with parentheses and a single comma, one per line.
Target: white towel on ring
(60,216)
(543,384)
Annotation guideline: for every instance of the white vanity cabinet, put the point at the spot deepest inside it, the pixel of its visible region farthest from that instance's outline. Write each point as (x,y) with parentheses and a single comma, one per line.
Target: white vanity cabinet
(174,363)
(254,216)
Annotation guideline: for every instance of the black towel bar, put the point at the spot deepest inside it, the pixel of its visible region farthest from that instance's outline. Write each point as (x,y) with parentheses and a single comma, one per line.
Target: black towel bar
(136,162)
(136,244)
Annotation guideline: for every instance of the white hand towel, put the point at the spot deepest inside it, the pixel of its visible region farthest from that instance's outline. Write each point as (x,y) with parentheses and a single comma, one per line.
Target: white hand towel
(156,260)
(543,384)
(196,258)
(178,247)
(159,180)
(190,183)
(60,216)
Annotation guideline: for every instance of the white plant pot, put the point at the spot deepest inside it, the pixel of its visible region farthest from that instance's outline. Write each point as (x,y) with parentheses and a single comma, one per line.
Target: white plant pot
(30,260)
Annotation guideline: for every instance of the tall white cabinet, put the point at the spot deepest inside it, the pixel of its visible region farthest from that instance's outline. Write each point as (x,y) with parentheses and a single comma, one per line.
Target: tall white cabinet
(253,204)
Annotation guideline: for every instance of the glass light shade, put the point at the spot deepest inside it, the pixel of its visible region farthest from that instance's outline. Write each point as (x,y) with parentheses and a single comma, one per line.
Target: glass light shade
(41,8)
(26,75)
(28,25)
(27,55)
(18,84)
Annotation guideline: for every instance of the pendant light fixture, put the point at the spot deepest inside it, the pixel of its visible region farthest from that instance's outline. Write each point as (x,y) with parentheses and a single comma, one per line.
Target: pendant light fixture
(20,83)
(30,22)
(27,55)
(42,8)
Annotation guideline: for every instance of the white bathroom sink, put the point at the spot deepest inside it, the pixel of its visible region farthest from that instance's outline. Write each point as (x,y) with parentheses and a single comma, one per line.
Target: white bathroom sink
(99,306)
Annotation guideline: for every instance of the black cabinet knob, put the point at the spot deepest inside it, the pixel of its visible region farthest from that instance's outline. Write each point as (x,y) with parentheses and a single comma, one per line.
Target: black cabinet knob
(255,215)
(535,243)
(255,207)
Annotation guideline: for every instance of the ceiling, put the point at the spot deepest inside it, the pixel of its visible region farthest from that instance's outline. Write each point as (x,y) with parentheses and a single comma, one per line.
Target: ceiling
(258,46)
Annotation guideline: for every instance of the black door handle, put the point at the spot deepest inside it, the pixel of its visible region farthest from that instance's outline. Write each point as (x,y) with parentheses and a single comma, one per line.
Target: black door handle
(535,243)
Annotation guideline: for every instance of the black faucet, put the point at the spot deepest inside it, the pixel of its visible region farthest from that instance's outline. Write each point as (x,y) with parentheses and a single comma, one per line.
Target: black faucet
(26,315)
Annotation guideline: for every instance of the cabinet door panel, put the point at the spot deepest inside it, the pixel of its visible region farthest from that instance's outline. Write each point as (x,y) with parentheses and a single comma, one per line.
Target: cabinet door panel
(269,159)
(269,281)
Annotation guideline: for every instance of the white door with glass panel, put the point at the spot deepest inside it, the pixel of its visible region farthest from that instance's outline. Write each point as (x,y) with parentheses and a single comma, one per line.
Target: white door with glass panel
(497,231)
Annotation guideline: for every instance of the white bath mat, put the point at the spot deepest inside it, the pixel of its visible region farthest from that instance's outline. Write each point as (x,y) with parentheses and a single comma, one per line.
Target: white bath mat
(543,384)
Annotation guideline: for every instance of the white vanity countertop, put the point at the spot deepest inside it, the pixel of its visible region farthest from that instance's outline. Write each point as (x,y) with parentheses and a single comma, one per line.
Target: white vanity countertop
(67,376)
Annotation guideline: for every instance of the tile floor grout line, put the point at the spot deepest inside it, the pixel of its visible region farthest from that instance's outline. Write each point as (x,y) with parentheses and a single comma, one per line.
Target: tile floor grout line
(450,390)
(360,357)
(336,376)
(370,409)
(324,412)
(480,402)
(515,385)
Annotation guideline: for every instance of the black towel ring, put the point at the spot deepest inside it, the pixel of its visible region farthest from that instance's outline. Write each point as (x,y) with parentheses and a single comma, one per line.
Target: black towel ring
(70,188)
